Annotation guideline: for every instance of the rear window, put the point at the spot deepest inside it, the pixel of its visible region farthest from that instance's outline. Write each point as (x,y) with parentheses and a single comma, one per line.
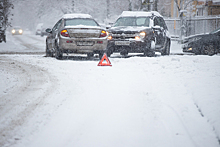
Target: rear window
(80,21)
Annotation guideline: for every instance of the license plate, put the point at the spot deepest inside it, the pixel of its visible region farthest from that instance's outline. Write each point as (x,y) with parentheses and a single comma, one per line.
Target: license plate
(122,42)
(85,43)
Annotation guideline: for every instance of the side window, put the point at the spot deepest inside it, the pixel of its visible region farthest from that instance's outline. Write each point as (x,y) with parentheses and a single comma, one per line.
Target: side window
(163,24)
(57,25)
(156,22)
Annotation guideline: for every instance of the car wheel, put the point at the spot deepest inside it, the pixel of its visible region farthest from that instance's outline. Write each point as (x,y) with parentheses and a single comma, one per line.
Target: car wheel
(48,52)
(208,50)
(109,51)
(58,53)
(166,51)
(124,53)
(90,55)
(149,51)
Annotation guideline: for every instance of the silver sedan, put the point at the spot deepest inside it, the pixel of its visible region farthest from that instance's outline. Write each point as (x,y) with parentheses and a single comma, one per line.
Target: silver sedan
(76,33)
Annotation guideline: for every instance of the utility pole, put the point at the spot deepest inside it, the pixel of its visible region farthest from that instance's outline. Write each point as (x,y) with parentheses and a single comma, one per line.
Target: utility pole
(129,6)
(107,13)
(73,3)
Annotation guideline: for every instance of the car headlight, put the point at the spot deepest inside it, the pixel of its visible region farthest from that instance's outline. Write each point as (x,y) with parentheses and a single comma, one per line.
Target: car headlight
(20,31)
(142,34)
(13,31)
(109,37)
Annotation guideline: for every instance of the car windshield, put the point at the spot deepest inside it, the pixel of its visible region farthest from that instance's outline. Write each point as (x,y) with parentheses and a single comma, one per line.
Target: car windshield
(80,21)
(17,28)
(133,21)
(215,31)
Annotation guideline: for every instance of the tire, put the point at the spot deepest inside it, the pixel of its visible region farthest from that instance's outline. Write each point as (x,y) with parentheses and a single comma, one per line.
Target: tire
(166,51)
(48,52)
(109,52)
(90,55)
(149,51)
(101,55)
(208,50)
(58,53)
(124,53)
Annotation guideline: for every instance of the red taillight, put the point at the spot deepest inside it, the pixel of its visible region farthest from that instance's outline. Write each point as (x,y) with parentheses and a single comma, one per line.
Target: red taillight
(64,33)
(103,33)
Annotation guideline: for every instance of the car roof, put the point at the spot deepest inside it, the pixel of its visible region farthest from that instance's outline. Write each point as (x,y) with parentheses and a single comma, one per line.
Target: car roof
(139,13)
(76,15)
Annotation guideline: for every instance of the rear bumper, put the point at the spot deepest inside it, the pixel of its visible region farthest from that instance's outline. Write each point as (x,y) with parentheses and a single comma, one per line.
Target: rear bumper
(72,45)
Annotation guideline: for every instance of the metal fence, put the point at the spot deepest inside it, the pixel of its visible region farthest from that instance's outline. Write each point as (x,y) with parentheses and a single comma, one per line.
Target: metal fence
(192,26)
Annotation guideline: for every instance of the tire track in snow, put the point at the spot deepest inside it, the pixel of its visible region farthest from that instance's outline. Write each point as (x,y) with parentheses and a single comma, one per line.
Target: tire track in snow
(33,87)
(32,45)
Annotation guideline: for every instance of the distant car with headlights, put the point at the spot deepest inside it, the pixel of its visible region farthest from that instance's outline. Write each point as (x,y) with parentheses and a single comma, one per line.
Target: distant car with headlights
(204,44)
(76,33)
(139,32)
(17,31)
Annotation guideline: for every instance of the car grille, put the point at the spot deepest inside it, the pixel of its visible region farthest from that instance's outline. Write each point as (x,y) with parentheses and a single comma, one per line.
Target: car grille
(123,34)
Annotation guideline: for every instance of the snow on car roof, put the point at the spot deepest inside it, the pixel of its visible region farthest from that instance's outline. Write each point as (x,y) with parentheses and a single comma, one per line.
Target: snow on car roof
(139,13)
(76,15)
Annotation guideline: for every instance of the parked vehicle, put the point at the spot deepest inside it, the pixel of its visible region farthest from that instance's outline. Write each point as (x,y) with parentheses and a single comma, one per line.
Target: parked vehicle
(39,28)
(76,33)
(17,31)
(139,32)
(205,44)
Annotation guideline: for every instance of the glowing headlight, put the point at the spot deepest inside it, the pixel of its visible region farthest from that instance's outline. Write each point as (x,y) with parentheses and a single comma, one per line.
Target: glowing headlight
(20,31)
(109,37)
(142,34)
(13,31)
(137,37)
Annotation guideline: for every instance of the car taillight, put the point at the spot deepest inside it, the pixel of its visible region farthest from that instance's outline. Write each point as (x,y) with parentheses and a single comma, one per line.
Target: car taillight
(103,34)
(64,33)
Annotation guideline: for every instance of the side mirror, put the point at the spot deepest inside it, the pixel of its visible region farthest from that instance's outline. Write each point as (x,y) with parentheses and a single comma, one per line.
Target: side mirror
(48,30)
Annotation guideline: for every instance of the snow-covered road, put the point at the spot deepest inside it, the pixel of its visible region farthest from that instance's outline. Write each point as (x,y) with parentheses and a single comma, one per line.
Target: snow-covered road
(164,101)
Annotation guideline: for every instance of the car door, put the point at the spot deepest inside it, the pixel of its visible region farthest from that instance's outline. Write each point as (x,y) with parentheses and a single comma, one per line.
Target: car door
(55,32)
(159,32)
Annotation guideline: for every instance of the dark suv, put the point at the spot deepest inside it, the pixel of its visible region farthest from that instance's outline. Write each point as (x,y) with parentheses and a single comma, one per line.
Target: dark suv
(139,32)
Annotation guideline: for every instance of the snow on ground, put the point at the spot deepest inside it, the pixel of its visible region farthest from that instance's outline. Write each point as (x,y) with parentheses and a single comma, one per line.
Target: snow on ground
(164,101)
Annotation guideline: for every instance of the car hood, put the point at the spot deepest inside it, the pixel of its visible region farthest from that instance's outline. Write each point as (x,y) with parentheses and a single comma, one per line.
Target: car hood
(195,36)
(127,29)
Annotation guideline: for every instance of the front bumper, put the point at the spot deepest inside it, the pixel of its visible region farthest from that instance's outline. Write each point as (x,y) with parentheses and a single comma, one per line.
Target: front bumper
(131,46)
(187,48)
(83,45)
